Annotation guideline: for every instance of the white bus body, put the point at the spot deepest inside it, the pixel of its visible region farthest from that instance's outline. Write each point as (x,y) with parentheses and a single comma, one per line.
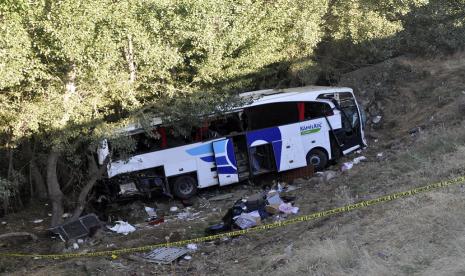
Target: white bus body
(219,161)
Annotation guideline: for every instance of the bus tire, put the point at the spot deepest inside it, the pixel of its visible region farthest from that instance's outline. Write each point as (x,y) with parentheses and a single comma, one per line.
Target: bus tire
(184,186)
(318,159)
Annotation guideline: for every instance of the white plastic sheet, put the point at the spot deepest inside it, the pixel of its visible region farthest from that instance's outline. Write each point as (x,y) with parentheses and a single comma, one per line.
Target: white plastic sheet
(123,227)
(287,208)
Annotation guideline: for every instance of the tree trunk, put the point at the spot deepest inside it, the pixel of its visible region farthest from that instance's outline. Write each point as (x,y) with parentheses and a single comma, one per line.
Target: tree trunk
(6,199)
(130,60)
(36,177)
(54,191)
(38,181)
(68,102)
(95,173)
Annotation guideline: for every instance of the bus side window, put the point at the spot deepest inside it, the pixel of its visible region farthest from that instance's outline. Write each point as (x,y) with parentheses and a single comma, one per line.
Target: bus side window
(147,143)
(270,115)
(314,110)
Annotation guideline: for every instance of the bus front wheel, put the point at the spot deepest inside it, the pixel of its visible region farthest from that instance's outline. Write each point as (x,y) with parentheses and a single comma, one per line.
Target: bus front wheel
(318,159)
(185,186)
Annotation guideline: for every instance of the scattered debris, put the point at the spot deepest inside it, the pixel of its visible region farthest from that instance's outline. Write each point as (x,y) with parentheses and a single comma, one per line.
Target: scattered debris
(75,246)
(380,155)
(122,227)
(156,221)
(80,241)
(290,188)
(38,221)
(247,220)
(66,215)
(287,208)
(187,257)
(359,159)
(192,246)
(79,228)
(273,198)
(377,119)
(325,176)
(347,166)
(221,197)
(151,213)
(249,212)
(174,209)
(162,255)
(188,215)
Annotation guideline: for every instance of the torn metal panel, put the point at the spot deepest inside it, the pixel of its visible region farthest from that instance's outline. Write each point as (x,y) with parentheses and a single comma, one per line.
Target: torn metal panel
(165,255)
(77,228)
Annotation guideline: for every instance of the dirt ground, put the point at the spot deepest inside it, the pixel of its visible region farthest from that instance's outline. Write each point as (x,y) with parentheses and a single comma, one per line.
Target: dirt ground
(419,140)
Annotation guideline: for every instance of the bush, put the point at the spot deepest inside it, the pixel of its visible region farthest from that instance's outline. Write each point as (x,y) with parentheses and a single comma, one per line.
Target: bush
(435,28)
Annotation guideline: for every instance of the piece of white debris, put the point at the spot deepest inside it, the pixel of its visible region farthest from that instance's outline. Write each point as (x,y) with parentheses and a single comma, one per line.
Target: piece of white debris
(376,119)
(49,214)
(379,155)
(358,160)
(347,166)
(123,227)
(38,221)
(173,209)
(192,246)
(287,208)
(3,222)
(80,241)
(66,215)
(187,257)
(75,246)
(150,212)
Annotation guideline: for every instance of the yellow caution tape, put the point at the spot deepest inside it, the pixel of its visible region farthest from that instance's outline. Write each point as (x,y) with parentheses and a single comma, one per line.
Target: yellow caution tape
(347,208)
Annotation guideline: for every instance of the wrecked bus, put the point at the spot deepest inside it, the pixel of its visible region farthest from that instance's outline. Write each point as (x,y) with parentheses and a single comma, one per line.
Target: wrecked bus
(278,130)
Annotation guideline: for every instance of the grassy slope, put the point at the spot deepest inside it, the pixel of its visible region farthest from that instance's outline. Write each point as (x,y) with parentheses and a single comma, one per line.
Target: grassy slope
(423,234)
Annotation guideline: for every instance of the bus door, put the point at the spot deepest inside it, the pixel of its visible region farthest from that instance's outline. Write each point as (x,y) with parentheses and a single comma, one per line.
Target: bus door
(350,136)
(226,163)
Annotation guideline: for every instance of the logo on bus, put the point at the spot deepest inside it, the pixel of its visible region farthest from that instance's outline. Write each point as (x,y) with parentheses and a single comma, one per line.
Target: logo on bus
(309,129)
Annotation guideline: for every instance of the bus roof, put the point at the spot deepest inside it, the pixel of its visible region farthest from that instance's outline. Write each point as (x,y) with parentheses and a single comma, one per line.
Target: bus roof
(306,93)
(266,96)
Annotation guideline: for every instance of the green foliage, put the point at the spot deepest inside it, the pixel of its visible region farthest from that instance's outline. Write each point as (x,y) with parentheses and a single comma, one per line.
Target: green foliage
(72,71)
(436,28)
(362,32)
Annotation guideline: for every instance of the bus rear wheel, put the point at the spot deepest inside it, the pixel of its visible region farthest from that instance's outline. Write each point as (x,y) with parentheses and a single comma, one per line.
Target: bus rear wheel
(185,186)
(318,159)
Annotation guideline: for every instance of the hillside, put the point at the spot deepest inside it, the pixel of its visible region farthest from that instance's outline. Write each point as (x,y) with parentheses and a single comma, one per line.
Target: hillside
(422,137)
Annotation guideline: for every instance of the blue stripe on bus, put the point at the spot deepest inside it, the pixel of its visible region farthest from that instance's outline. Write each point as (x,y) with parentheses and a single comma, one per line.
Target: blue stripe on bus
(221,160)
(209,159)
(226,170)
(202,149)
(230,153)
(219,146)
